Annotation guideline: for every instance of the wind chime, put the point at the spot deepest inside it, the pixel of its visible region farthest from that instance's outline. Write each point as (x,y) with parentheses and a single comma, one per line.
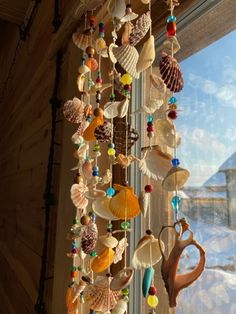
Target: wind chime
(92,280)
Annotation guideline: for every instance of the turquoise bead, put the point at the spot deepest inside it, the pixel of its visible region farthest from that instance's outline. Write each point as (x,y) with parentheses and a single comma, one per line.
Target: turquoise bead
(150,119)
(147,280)
(172,100)
(176,203)
(171,18)
(110,192)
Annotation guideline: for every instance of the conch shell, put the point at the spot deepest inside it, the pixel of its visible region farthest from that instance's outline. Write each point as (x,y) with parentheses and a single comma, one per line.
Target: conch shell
(144,202)
(174,282)
(123,243)
(147,55)
(175,179)
(127,31)
(78,195)
(147,252)
(101,207)
(155,164)
(167,133)
(103,261)
(140,29)
(87,169)
(124,204)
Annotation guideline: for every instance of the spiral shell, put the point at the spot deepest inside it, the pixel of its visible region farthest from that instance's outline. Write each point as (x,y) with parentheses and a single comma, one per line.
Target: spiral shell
(140,29)
(103,132)
(73,110)
(89,238)
(171,73)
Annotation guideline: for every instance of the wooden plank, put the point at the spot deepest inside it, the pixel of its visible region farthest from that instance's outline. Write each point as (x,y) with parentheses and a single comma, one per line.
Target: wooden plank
(13,11)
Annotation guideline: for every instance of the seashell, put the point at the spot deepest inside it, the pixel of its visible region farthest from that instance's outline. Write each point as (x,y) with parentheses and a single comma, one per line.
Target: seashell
(167,133)
(122,279)
(83,69)
(116,8)
(77,139)
(78,289)
(80,153)
(109,241)
(77,195)
(121,131)
(147,253)
(140,29)
(99,297)
(145,1)
(171,73)
(127,56)
(174,282)
(147,280)
(97,87)
(103,133)
(83,40)
(153,105)
(92,64)
(122,245)
(71,306)
(155,164)
(121,306)
(106,178)
(171,43)
(124,161)
(129,17)
(94,194)
(103,261)
(175,179)
(73,110)
(147,55)
(126,33)
(144,202)
(124,204)
(100,45)
(115,109)
(159,84)
(88,134)
(87,169)
(110,52)
(89,238)
(101,208)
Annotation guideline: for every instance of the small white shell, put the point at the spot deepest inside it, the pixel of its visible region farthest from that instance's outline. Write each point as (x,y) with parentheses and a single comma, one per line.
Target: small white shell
(144,202)
(147,55)
(109,241)
(116,8)
(116,109)
(121,307)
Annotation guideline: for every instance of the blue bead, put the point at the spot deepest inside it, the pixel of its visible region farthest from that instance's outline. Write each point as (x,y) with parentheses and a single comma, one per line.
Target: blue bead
(175,162)
(111,145)
(172,100)
(92,216)
(171,18)
(110,192)
(176,203)
(95,173)
(95,168)
(150,119)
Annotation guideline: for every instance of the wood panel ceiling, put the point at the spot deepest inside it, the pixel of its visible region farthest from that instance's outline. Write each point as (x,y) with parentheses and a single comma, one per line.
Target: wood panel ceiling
(13,11)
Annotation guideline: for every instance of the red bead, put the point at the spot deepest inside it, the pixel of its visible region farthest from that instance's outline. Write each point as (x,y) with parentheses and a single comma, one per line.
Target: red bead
(127,87)
(74,251)
(152,290)
(99,80)
(73,274)
(150,128)
(148,188)
(172,114)
(171,29)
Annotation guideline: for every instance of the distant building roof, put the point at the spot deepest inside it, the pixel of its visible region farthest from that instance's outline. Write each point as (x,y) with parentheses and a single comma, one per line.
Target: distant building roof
(218,179)
(209,195)
(229,164)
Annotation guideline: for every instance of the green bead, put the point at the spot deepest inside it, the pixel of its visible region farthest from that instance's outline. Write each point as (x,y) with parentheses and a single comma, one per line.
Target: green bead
(111,152)
(125,225)
(80,268)
(125,291)
(73,268)
(96,148)
(75,221)
(93,254)
(109,226)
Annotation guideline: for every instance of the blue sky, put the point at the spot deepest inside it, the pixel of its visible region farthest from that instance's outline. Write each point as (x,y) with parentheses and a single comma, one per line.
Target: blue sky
(207,123)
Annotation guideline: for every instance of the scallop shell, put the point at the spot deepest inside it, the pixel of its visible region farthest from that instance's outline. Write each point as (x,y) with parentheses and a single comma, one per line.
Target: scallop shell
(88,134)
(73,110)
(103,261)
(140,29)
(94,194)
(83,40)
(147,253)
(103,132)
(127,56)
(175,179)
(101,208)
(122,279)
(106,178)
(147,55)
(115,109)
(122,245)
(124,204)
(167,133)
(81,151)
(171,73)
(109,241)
(116,8)
(99,297)
(121,306)
(171,43)
(89,238)
(155,164)
(78,289)
(144,202)
(71,306)
(87,169)
(92,64)
(129,17)
(77,195)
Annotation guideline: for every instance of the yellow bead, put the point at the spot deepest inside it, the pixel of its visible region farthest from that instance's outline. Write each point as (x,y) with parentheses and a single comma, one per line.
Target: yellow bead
(152,301)
(111,151)
(126,79)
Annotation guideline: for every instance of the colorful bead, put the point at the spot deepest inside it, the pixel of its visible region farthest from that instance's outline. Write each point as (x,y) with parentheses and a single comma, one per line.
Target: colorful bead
(125,225)
(172,100)
(74,251)
(176,203)
(99,80)
(150,119)
(73,274)
(93,254)
(171,18)
(152,290)
(80,268)
(125,292)
(95,174)
(171,29)
(126,79)
(73,268)
(98,112)
(96,148)
(84,220)
(92,216)
(172,114)
(110,192)
(148,188)
(150,128)
(111,152)
(75,221)
(109,226)
(152,301)
(111,145)
(127,87)
(175,162)
(173,106)
(112,97)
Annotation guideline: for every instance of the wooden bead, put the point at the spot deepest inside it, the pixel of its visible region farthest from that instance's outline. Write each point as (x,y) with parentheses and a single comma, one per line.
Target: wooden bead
(98,112)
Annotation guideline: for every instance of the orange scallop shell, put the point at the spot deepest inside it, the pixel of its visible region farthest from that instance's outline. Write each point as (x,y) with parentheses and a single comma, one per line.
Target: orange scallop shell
(92,64)
(103,261)
(88,134)
(124,204)
(71,306)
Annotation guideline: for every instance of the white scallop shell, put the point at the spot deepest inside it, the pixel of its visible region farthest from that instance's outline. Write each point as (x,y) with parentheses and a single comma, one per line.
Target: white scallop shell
(77,195)
(101,208)
(116,8)
(109,241)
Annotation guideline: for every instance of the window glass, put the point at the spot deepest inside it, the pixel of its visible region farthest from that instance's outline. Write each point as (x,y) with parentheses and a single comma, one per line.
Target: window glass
(208,150)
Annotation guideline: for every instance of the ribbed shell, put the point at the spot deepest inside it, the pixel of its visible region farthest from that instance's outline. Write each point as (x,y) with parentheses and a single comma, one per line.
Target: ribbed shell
(83,40)
(171,73)
(89,238)
(127,56)
(77,195)
(140,29)
(103,132)
(73,110)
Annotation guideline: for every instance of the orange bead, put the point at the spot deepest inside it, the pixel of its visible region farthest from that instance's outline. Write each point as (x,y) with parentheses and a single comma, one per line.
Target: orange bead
(171,29)
(92,64)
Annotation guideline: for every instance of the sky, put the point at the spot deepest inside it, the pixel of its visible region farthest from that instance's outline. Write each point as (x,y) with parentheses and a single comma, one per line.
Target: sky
(207,123)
